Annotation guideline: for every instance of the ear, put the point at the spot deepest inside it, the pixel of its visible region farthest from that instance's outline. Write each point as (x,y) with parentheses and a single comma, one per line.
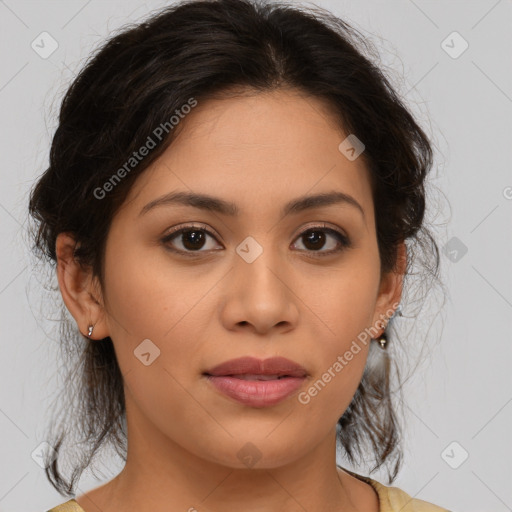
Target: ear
(80,290)
(390,290)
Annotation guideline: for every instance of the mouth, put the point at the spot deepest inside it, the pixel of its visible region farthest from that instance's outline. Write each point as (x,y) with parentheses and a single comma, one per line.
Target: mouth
(246,376)
(251,368)
(255,382)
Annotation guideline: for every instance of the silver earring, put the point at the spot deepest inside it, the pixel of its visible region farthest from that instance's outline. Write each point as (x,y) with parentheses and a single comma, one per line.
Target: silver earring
(91,327)
(398,311)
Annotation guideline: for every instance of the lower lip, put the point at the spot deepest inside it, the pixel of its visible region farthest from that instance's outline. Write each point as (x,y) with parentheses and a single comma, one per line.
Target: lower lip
(257,393)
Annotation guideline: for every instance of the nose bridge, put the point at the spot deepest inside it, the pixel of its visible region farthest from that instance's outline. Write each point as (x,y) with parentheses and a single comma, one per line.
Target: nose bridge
(258,291)
(257,264)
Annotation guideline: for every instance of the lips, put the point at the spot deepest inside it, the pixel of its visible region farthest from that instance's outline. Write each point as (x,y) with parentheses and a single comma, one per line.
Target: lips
(255,382)
(250,368)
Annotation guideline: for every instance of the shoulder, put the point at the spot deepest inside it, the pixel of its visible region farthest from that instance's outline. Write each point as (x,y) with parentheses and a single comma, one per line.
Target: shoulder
(68,506)
(393,499)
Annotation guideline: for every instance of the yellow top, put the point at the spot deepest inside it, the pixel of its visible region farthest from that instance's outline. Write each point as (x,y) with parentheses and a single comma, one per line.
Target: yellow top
(391,499)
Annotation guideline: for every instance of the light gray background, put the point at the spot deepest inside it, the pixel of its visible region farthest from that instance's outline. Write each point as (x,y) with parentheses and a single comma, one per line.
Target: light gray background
(463,392)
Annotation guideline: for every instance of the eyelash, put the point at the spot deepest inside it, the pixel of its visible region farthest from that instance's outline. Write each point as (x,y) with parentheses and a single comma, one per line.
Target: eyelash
(343,240)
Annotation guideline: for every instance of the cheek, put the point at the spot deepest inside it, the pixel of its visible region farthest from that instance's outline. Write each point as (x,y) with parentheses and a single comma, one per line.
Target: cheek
(345,297)
(346,310)
(130,298)
(329,393)
(146,297)
(149,299)
(153,321)
(341,359)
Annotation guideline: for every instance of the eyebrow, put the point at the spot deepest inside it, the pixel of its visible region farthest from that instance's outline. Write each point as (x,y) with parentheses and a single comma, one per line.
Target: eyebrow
(210,203)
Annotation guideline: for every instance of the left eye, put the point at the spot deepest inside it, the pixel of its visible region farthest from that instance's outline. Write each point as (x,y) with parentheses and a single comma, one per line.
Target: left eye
(316,238)
(193,239)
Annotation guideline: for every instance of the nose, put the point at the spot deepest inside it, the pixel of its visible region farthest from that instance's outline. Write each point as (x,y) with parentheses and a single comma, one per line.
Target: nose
(259,296)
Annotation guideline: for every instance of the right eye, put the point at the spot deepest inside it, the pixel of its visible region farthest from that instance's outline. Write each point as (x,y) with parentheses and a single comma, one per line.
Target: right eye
(192,239)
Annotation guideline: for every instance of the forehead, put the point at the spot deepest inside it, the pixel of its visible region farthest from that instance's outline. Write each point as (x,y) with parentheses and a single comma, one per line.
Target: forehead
(258,149)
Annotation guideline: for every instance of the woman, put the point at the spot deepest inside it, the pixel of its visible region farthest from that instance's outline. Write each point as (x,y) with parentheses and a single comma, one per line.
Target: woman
(232,204)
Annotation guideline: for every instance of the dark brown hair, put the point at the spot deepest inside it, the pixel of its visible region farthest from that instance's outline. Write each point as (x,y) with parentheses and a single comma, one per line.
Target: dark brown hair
(136,82)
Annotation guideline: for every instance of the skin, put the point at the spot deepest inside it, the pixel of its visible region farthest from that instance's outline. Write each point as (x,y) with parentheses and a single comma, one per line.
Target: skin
(259,152)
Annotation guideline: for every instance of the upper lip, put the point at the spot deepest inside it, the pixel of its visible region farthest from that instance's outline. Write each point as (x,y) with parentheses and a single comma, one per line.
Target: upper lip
(254,366)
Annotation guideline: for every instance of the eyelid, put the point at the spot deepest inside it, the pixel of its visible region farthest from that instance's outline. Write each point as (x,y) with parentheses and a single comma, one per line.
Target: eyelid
(320,224)
(345,239)
(191,226)
(206,228)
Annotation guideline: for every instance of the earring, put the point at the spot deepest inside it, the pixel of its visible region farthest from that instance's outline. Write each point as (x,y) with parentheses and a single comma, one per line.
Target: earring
(398,311)
(91,327)
(383,340)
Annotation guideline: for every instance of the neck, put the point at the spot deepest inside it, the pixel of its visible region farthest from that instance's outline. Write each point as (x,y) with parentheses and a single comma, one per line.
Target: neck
(160,474)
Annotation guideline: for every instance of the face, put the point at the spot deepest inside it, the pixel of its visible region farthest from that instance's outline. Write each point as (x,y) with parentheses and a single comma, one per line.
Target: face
(300,283)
